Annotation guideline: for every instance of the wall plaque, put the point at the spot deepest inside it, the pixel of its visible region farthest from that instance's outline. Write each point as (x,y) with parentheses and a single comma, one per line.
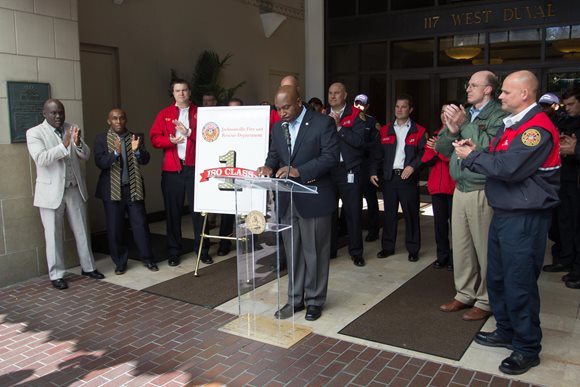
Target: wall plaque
(25,101)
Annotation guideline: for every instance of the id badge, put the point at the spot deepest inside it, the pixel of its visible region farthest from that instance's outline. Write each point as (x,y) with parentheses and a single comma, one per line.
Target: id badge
(350,178)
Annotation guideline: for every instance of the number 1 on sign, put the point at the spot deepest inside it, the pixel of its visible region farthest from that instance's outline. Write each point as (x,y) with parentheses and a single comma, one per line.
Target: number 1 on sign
(229,159)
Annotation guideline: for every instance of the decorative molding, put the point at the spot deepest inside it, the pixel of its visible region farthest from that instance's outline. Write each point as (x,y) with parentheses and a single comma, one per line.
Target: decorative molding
(277,7)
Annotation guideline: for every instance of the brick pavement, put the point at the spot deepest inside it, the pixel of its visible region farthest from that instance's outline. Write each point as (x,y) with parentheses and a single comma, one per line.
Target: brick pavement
(100,334)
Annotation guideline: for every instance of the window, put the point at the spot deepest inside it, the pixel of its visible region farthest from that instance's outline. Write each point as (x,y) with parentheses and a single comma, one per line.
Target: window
(373,57)
(412,53)
(515,46)
(460,50)
(341,8)
(563,42)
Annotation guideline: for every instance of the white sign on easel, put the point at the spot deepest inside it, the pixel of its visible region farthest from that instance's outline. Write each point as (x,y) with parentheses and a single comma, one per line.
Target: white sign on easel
(231,141)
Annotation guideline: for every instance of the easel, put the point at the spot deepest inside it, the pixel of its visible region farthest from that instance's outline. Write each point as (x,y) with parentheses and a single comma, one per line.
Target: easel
(203,235)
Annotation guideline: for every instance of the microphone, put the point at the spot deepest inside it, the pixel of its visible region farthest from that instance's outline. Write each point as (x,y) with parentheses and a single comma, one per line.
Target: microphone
(285,125)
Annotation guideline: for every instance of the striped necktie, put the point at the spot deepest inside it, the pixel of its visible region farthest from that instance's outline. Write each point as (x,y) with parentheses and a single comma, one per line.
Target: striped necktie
(135,180)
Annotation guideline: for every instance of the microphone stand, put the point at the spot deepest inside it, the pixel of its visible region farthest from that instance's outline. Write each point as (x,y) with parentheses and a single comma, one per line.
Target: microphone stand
(285,127)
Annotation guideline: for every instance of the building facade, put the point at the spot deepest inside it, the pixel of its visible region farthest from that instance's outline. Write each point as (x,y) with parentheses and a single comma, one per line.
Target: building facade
(429,48)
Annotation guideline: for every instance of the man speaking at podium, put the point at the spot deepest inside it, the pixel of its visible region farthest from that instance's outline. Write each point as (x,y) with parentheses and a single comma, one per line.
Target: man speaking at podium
(304,148)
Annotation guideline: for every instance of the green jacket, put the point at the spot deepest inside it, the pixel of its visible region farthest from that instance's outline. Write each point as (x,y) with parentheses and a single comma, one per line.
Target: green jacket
(481,131)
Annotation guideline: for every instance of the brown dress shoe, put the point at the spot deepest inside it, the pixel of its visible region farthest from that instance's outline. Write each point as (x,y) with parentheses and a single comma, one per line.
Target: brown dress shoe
(453,306)
(475,314)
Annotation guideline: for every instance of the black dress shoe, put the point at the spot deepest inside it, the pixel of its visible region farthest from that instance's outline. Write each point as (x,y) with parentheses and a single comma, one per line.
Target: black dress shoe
(223,252)
(492,339)
(151,266)
(60,284)
(120,270)
(450,267)
(573,284)
(438,265)
(287,310)
(413,257)
(358,260)
(313,312)
(95,274)
(173,260)
(556,268)
(206,258)
(518,364)
(385,253)
(371,237)
(570,277)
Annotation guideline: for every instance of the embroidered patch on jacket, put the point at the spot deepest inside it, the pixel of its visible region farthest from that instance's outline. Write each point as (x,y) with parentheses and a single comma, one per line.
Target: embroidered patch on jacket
(531,137)
(483,127)
(362,116)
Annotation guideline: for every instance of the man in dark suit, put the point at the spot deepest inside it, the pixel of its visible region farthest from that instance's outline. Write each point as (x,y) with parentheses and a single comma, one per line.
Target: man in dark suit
(350,124)
(57,149)
(312,154)
(118,153)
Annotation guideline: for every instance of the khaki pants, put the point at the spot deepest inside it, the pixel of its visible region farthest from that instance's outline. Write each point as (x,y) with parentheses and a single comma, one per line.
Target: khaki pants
(470,219)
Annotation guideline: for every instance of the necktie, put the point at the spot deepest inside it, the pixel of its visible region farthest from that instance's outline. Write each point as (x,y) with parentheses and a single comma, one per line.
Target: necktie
(125,172)
(134,172)
(58,132)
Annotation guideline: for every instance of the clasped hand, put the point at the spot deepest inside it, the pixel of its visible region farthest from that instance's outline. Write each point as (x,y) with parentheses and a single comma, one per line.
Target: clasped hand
(463,148)
(73,133)
(455,116)
(179,127)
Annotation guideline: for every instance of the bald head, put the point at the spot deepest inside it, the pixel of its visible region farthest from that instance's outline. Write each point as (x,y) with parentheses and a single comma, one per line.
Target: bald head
(53,112)
(289,80)
(519,90)
(117,120)
(337,95)
(52,101)
(288,103)
(481,88)
(527,80)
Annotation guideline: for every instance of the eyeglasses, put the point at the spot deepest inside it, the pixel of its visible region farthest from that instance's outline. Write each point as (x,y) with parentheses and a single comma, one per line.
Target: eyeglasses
(473,85)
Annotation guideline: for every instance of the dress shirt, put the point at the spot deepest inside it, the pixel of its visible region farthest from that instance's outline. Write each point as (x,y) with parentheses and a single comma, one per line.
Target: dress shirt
(294,127)
(474,112)
(401,131)
(184,119)
(511,120)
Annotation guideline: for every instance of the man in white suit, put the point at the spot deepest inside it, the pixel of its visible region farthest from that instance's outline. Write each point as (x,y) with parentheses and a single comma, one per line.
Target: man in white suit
(56,147)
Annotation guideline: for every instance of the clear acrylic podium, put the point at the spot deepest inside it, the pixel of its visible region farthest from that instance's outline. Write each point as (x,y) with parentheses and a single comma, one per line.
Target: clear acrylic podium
(259,253)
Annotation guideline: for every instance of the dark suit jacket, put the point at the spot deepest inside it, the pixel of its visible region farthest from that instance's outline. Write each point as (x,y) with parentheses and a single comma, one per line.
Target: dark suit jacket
(315,153)
(104,160)
(352,136)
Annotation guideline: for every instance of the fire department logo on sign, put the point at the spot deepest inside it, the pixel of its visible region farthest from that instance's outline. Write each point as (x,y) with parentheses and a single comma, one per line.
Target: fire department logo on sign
(531,137)
(210,132)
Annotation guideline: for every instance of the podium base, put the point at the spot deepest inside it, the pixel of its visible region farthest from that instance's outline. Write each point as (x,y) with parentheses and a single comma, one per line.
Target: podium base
(269,330)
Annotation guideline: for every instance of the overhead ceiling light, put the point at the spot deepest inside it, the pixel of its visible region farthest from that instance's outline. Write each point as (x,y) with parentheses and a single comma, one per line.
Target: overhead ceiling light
(462,53)
(567,46)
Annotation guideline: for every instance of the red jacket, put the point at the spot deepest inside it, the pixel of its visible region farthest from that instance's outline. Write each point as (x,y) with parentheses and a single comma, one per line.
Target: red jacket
(274,117)
(163,127)
(440,181)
